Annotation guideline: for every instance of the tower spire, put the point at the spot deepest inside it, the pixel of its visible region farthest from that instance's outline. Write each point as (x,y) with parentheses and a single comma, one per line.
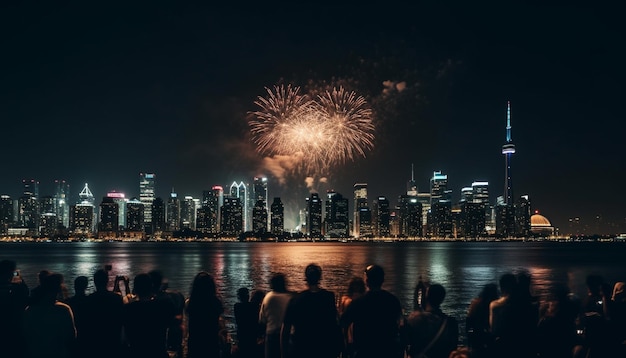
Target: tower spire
(508,149)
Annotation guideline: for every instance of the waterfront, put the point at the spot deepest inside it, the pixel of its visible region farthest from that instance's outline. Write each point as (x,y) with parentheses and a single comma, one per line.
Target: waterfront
(462,267)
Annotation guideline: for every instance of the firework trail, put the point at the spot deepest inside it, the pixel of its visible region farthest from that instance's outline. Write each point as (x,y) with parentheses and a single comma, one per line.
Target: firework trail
(317,133)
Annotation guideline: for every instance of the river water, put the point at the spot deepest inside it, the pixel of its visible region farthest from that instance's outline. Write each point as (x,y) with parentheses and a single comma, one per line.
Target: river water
(461,267)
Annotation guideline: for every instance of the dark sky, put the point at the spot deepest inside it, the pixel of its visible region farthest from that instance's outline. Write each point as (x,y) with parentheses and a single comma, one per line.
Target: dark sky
(99,93)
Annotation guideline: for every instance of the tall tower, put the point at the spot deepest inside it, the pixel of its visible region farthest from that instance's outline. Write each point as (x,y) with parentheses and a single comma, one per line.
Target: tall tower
(508,149)
(146,196)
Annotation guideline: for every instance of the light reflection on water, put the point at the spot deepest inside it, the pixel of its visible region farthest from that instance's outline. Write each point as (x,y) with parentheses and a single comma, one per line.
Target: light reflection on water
(462,268)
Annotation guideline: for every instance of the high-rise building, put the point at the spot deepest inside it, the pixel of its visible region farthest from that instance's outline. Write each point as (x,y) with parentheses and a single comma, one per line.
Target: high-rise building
(120,199)
(158,215)
(28,207)
(147,190)
(260,191)
(337,219)
(83,214)
(172,212)
(411,185)
(213,200)
(277,217)
(48,222)
(360,202)
(188,213)
(314,216)
(259,218)
(409,216)
(473,215)
(108,224)
(231,216)
(438,187)
(522,216)
(62,197)
(135,216)
(381,217)
(240,190)
(6,214)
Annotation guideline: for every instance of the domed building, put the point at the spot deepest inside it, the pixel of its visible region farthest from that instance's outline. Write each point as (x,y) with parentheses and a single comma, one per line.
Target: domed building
(540,225)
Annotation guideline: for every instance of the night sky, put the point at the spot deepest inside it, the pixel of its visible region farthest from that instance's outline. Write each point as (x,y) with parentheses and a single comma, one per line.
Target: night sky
(99,93)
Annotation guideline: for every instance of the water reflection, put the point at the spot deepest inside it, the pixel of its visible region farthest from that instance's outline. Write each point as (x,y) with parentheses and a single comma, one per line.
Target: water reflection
(462,268)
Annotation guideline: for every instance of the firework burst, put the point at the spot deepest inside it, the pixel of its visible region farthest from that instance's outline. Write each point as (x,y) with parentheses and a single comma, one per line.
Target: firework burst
(320,133)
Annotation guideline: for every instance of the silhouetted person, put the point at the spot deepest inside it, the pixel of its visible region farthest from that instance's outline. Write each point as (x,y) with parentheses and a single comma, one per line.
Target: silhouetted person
(556,331)
(14,296)
(594,319)
(376,317)
(103,328)
(48,325)
(356,289)
(204,310)
(479,336)
(80,309)
(432,332)
(513,319)
(177,300)
(35,293)
(257,300)
(146,321)
(247,321)
(311,320)
(272,314)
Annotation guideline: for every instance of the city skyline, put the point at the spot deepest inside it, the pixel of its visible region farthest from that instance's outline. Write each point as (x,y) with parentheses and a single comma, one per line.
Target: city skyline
(98,96)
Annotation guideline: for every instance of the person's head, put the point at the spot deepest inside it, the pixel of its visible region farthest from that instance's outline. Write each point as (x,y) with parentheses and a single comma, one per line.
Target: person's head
(203,286)
(356,286)
(51,286)
(42,274)
(278,283)
(80,285)
(157,280)
(489,292)
(435,294)
(508,282)
(7,268)
(101,280)
(142,286)
(594,284)
(257,297)
(243,294)
(374,276)
(313,274)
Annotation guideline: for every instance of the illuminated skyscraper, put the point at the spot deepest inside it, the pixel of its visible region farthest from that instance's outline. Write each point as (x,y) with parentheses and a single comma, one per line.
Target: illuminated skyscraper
(213,200)
(147,185)
(172,212)
(411,185)
(259,218)
(231,217)
(108,224)
(158,216)
(62,205)
(360,203)
(188,213)
(135,216)
(28,207)
(121,201)
(337,219)
(6,213)
(240,190)
(260,190)
(409,216)
(277,217)
(314,216)
(381,217)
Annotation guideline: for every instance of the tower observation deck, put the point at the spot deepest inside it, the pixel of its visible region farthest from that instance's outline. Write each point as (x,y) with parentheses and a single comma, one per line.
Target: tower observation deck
(508,149)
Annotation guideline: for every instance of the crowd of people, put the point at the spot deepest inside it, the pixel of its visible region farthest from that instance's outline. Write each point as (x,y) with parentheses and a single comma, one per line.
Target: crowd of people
(151,321)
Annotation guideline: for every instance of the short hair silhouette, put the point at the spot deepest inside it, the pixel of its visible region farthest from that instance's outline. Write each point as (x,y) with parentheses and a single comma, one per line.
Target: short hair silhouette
(313,274)
(375,276)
